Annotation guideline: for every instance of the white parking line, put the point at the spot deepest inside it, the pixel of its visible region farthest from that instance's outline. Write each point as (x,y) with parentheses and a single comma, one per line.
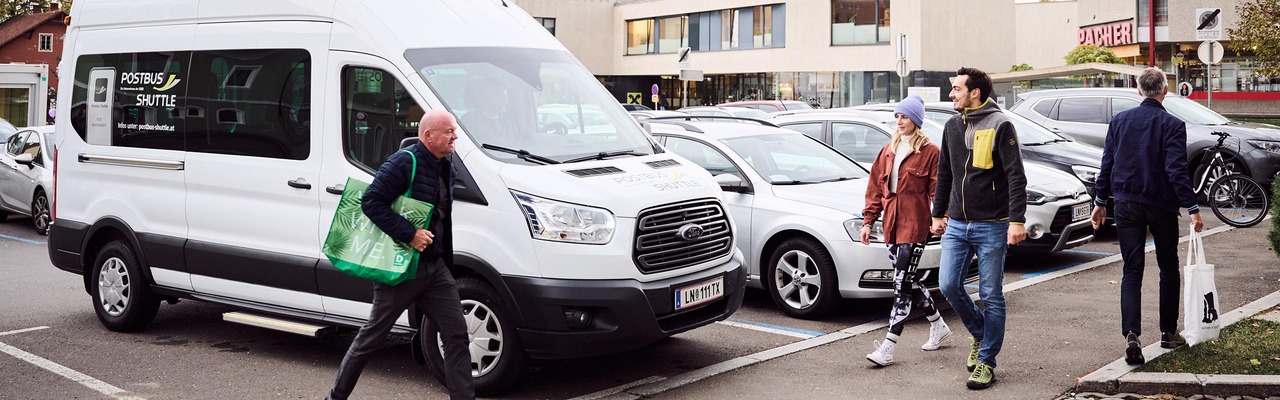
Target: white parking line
(73,375)
(15,332)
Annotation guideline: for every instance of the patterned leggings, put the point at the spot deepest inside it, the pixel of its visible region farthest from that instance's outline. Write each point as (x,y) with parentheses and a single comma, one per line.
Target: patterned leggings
(906,289)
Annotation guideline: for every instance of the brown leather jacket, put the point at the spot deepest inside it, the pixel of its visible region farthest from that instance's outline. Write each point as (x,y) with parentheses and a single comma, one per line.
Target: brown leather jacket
(906,213)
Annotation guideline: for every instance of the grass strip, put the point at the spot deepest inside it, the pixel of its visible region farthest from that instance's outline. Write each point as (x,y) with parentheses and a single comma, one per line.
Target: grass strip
(1248,347)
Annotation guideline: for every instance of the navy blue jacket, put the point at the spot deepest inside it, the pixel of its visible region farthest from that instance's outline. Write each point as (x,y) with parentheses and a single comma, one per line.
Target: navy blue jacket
(1144,160)
(392,180)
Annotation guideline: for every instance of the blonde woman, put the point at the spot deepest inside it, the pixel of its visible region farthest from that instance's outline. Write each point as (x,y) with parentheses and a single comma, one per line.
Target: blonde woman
(902,181)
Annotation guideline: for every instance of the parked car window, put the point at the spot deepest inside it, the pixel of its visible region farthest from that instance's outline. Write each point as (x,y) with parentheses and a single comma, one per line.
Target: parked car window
(253,103)
(793,159)
(703,155)
(1083,109)
(938,116)
(796,105)
(377,113)
(858,141)
(1030,132)
(810,129)
(32,147)
(1193,113)
(747,112)
(14,144)
(1119,104)
(1044,108)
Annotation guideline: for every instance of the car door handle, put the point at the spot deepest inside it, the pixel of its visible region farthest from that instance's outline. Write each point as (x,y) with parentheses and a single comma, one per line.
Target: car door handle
(335,189)
(300,184)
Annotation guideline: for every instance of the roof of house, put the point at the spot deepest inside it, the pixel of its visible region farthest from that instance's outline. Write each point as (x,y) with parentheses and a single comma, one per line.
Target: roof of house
(15,27)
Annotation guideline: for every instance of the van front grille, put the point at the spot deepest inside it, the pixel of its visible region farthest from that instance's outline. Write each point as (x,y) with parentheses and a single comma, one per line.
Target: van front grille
(680,235)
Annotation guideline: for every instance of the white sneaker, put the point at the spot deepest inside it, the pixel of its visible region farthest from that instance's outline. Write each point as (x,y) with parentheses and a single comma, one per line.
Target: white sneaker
(938,333)
(883,356)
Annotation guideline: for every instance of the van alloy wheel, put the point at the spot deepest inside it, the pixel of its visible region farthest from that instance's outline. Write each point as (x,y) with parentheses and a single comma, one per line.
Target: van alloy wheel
(485,333)
(114,287)
(797,279)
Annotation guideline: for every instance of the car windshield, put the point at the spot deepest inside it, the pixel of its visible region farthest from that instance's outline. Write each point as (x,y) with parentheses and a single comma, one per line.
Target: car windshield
(1030,132)
(794,159)
(747,112)
(537,100)
(796,105)
(1193,113)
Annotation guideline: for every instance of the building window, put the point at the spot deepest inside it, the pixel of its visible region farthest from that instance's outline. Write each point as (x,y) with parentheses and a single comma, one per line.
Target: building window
(673,33)
(728,29)
(1162,13)
(640,36)
(46,42)
(859,22)
(549,23)
(762,26)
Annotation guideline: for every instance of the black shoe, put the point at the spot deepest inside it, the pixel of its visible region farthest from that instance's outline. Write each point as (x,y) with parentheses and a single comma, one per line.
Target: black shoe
(1170,340)
(1133,353)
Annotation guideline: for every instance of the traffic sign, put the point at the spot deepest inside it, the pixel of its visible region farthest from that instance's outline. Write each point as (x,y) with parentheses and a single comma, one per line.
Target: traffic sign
(691,75)
(1208,24)
(1209,49)
(634,97)
(654,98)
(654,89)
(683,60)
(1185,89)
(1178,58)
(902,68)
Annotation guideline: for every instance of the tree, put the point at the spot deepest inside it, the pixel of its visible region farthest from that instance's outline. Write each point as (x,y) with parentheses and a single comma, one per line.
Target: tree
(1259,32)
(1021,67)
(14,8)
(1087,53)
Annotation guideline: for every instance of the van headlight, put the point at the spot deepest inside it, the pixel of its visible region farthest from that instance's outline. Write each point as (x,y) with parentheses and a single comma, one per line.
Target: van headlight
(558,221)
(854,228)
(1086,174)
(1037,198)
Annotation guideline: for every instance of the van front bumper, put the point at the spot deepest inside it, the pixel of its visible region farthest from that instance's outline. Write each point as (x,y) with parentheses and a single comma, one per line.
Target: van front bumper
(624,314)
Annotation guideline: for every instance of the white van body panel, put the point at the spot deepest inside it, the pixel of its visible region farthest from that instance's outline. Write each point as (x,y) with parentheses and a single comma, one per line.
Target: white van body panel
(273,10)
(121,13)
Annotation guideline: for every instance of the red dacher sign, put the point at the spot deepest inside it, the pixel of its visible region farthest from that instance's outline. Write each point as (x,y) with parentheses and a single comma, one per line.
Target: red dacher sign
(1109,34)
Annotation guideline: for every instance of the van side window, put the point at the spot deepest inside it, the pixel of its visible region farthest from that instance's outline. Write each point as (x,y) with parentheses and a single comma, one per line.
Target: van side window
(250,103)
(377,113)
(136,99)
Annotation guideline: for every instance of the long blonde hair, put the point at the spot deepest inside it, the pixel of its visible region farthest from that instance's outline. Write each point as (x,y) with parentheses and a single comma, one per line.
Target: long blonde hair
(918,140)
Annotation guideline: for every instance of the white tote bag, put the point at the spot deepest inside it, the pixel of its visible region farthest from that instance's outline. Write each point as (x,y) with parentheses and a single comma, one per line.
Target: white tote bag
(1199,295)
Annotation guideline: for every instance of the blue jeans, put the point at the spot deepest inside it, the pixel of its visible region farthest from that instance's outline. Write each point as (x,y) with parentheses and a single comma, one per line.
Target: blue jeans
(989,240)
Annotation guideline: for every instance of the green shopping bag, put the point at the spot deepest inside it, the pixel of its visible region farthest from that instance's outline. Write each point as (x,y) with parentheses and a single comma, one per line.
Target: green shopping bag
(359,248)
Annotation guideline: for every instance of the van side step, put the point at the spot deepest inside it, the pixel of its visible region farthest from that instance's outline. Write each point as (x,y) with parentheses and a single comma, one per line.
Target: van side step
(273,323)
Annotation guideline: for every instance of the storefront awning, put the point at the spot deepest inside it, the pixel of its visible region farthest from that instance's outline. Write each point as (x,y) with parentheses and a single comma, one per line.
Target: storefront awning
(1067,70)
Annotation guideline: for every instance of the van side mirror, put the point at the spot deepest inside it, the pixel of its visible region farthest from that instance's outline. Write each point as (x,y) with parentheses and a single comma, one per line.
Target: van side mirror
(24,159)
(731,183)
(409,141)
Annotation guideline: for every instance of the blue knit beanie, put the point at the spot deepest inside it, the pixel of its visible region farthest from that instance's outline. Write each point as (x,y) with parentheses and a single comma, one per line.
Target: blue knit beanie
(912,107)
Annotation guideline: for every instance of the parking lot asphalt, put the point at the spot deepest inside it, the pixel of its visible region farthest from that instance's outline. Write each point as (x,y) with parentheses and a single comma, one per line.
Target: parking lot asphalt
(189,352)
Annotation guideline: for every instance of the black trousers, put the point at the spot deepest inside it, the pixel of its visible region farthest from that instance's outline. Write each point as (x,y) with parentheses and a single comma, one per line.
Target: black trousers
(436,295)
(906,288)
(1133,221)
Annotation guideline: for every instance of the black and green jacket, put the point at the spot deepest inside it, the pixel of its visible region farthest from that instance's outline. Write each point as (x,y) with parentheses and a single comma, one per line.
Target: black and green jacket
(980,175)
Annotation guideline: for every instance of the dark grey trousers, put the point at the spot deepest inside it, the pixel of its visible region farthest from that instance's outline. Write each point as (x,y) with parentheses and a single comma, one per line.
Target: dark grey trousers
(436,295)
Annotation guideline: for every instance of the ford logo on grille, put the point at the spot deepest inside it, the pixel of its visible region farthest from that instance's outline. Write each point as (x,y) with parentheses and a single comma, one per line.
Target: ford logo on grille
(690,232)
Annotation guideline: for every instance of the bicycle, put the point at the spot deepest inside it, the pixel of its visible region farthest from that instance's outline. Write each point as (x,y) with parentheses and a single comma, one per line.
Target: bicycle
(1235,199)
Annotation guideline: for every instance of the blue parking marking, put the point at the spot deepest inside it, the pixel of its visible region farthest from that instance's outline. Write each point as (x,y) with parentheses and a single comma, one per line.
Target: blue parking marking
(27,241)
(1101,253)
(1048,270)
(778,327)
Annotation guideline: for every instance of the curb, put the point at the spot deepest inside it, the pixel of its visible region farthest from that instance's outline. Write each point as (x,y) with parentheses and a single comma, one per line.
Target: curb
(1118,377)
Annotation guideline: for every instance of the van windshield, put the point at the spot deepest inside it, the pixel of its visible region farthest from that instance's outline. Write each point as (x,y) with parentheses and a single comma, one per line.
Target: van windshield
(541,101)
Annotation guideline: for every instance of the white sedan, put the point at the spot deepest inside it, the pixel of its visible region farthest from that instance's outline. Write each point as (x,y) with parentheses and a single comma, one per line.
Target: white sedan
(26,176)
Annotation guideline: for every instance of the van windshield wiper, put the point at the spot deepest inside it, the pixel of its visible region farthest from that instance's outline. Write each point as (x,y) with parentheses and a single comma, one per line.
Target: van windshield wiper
(521,154)
(603,155)
(838,179)
(794,182)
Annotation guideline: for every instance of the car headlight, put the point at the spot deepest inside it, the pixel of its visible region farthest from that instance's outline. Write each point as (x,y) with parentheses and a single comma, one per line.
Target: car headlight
(558,221)
(1037,198)
(1266,145)
(854,228)
(1085,173)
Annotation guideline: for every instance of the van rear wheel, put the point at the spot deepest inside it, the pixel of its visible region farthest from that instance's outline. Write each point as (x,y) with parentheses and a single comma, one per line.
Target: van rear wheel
(120,294)
(497,356)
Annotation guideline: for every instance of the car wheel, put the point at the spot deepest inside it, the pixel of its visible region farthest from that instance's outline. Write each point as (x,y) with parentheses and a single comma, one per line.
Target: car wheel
(40,213)
(497,357)
(801,279)
(121,297)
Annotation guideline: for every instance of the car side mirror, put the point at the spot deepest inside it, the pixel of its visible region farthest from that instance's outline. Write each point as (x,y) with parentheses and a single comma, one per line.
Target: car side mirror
(731,183)
(24,159)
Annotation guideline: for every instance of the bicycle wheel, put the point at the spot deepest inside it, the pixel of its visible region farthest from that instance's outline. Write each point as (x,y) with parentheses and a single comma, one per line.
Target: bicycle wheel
(1238,201)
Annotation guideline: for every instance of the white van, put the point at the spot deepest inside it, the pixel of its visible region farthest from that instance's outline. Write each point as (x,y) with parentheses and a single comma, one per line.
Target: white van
(208,140)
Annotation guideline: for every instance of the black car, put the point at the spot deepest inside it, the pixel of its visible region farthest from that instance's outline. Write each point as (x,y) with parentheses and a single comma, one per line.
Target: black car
(1083,114)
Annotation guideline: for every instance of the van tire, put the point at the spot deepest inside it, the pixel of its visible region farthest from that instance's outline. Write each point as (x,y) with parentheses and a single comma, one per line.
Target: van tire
(817,260)
(511,365)
(131,306)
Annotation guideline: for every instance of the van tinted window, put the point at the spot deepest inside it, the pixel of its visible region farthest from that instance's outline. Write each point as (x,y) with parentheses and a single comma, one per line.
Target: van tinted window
(135,101)
(250,103)
(377,113)
(1083,109)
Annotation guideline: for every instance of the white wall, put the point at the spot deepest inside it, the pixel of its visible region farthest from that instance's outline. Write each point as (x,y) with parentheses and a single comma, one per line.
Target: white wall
(1042,33)
(969,33)
(585,27)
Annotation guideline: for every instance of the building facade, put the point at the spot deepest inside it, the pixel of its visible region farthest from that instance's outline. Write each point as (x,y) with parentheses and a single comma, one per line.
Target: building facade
(30,39)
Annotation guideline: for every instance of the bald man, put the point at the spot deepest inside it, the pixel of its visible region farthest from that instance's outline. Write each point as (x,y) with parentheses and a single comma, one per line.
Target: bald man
(433,290)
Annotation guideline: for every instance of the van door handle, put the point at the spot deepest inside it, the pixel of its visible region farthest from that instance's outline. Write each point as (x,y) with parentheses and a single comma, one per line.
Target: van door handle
(300,184)
(335,189)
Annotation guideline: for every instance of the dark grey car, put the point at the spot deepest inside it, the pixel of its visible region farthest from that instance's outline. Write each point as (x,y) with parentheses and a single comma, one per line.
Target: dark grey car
(1083,114)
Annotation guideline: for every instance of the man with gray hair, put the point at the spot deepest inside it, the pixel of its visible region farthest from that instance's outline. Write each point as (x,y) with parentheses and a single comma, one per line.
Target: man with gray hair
(1144,166)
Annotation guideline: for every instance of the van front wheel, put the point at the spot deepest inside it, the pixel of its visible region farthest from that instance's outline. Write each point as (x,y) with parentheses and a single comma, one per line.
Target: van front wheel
(497,357)
(120,294)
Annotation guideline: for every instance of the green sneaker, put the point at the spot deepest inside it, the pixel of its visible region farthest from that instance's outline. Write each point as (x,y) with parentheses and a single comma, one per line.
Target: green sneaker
(973,355)
(982,377)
